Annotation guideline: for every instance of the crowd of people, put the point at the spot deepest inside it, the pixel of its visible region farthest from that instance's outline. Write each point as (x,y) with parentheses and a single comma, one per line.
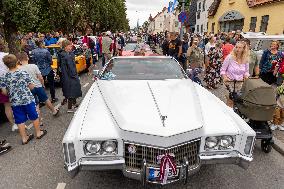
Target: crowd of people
(23,76)
(222,58)
(227,58)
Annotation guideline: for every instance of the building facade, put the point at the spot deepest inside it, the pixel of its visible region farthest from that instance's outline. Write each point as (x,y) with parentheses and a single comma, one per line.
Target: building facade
(201,25)
(192,15)
(164,21)
(246,15)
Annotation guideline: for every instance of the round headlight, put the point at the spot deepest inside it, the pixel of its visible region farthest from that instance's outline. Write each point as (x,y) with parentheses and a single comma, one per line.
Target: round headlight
(226,141)
(93,147)
(109,146)
(211,142)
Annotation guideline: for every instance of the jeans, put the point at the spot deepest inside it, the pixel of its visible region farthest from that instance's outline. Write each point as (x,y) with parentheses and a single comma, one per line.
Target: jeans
(50,80)
(106,57)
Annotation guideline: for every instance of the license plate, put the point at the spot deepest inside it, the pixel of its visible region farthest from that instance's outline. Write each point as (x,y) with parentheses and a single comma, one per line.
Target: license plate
(154,173)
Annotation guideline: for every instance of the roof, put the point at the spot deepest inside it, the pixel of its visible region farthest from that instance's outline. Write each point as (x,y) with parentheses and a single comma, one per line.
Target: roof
(214,7)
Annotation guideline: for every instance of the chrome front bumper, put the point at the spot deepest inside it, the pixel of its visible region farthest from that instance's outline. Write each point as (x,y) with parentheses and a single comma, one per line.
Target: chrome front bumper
(185,170)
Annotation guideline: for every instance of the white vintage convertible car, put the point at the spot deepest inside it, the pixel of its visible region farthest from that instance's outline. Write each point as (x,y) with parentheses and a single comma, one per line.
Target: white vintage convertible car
(143,116)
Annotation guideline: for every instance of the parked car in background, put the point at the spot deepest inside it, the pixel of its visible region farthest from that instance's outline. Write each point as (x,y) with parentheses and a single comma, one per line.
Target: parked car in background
(80,59)
(145,127)
(261,42)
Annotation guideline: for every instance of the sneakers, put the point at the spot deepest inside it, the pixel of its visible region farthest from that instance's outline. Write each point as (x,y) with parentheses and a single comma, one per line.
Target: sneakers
(71,110)
(54,100)
(15,128)
(55,113)
(5,148)
(281,128)
(273,127)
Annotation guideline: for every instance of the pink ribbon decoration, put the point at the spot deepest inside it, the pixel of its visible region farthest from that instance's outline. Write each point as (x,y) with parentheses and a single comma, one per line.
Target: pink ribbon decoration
(167,161)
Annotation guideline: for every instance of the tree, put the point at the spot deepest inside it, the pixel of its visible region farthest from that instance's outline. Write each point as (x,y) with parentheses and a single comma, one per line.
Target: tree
(64,15)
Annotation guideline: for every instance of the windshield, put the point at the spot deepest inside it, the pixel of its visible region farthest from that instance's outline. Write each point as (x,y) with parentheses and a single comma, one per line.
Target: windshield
(130,46)
(142,69)
(54,51)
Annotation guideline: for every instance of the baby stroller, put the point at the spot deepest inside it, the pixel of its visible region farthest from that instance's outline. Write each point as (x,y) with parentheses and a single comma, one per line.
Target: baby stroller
(256,104)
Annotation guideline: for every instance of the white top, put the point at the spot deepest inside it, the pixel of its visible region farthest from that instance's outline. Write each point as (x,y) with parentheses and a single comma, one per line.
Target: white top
(33,71)
(3,67)
(208,46)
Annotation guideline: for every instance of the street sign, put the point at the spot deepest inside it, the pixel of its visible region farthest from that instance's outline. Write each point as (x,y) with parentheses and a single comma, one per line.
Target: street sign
(182,17)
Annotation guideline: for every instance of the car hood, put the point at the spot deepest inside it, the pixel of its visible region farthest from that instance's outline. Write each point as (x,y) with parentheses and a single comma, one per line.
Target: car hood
(163,107)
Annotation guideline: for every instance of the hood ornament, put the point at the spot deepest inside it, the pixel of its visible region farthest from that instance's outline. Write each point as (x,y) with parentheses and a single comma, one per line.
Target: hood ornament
(163,118)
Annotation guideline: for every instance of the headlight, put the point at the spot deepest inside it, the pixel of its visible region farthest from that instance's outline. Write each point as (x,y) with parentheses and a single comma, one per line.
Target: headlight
(220,142)
(226,141)
(109,146)
(93,147)
(211,142)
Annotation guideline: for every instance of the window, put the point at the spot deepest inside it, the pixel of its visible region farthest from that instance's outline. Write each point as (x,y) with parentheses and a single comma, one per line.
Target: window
(207,27)
(203,8)
(199,6)
(176,23)
(264,23)
(201,29)
(198,15)
(197,28)
(213,28)
(253,21)
(161,25)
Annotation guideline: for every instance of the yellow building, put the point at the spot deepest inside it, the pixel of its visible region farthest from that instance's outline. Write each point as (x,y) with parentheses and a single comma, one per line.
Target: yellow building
(247,15)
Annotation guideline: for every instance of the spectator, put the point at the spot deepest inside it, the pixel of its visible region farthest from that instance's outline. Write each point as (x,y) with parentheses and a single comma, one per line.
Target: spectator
(17,84)
(42,58)
(3,98)
(175,46)
(87,53)
(38,90)
(236,68)
(195,55)
(183,58)
(227,47)
(106,45)
(212,75)
(165,45)
(253,61)
(278,116)
(49,40)
(270,59)
(71,86)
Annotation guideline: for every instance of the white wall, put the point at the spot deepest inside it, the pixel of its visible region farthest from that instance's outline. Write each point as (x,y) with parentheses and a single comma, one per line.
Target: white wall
(203,20)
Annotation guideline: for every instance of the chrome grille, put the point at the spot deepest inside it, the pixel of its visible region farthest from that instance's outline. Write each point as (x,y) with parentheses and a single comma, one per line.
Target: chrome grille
(133,161)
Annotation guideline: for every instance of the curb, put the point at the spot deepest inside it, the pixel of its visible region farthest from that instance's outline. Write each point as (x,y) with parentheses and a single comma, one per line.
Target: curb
(278,146)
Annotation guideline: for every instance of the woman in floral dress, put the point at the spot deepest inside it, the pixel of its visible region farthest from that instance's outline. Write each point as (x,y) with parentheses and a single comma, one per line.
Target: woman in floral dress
(212,74)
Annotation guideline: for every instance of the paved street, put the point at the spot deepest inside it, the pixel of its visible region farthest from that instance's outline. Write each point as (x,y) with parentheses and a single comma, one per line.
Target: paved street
(40,164)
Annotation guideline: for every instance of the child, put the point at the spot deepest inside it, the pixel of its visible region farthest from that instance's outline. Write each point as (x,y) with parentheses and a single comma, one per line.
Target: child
(278,116)
(88,55)
(17,85)
(38,81)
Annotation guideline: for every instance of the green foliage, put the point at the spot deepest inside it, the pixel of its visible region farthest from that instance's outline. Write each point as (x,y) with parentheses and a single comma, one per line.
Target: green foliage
(65,15)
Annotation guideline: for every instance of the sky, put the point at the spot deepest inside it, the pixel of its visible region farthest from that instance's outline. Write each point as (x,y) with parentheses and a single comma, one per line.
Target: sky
(144,8)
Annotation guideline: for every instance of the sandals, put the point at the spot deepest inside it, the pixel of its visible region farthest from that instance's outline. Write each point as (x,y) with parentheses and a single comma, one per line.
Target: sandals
(31,136)
(42,135)
(2,142)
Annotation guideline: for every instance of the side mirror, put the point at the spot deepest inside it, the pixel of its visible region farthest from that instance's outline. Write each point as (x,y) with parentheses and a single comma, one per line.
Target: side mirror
(96,73)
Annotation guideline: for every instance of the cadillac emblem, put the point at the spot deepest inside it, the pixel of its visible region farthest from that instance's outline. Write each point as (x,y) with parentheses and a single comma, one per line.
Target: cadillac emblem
(132,149)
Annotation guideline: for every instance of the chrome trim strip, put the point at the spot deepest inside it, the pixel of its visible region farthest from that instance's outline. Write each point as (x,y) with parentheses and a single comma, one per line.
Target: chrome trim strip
(162,148)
